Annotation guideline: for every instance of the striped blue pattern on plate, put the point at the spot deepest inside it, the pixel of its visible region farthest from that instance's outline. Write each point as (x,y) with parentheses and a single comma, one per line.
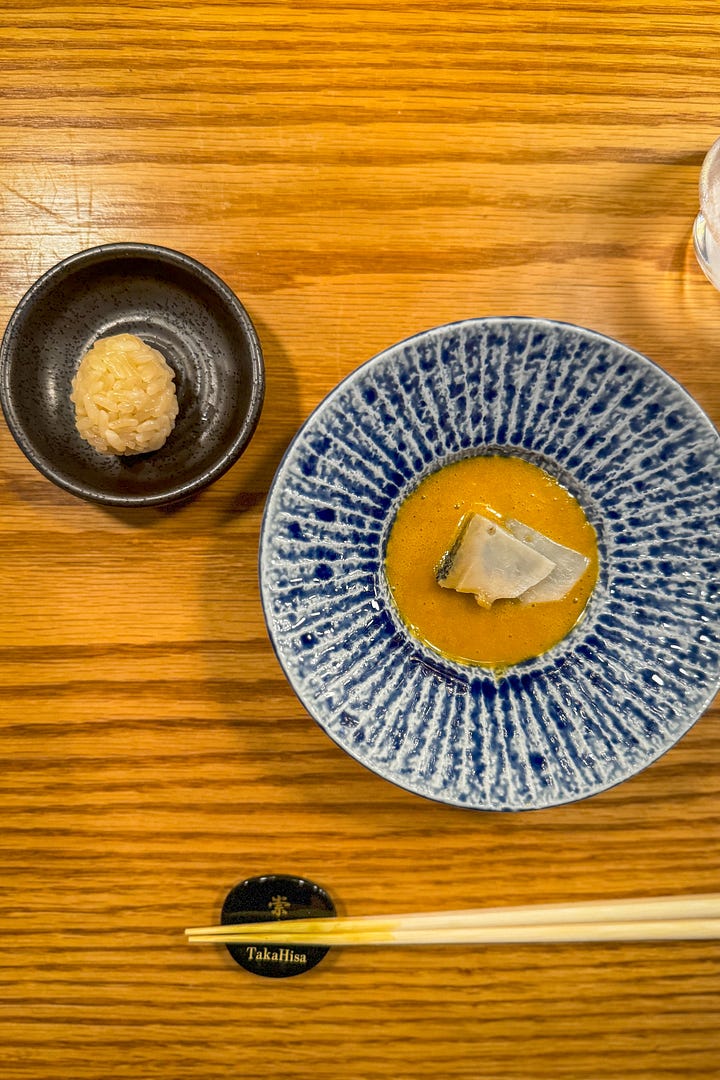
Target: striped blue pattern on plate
(635,673)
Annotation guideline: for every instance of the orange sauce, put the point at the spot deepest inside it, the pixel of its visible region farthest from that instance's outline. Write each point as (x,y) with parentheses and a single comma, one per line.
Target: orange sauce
(424,529)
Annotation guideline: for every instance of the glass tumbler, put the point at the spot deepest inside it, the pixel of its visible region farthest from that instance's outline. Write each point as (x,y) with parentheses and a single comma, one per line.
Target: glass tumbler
(706,230)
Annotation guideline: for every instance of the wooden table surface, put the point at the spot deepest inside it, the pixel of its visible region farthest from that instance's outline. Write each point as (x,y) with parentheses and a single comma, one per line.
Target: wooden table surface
(357,172)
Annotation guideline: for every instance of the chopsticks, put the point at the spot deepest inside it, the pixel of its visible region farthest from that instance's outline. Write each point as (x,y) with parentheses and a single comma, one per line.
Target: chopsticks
(661,918)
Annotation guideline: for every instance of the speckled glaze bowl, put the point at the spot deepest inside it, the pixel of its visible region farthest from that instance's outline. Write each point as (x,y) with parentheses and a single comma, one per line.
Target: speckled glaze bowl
(633,675)
(176,305)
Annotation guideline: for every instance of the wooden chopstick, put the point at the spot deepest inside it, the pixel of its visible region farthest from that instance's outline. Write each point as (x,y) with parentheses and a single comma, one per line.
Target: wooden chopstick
(548,933)
(649,918)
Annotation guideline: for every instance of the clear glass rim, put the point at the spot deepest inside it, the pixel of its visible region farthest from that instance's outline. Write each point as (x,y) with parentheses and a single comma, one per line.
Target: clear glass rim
(700,232)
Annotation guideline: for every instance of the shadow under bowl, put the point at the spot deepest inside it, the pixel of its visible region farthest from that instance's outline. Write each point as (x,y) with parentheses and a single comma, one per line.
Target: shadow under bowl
(175,305)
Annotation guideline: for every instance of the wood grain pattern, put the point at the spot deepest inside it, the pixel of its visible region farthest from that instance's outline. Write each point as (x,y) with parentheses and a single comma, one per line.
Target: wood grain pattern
(357,172)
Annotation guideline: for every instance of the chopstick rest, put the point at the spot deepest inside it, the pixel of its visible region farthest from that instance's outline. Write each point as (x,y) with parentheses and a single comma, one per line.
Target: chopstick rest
(271,899)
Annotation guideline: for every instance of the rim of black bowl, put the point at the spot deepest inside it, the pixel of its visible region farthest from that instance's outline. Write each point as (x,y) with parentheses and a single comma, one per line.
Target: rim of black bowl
(138,249)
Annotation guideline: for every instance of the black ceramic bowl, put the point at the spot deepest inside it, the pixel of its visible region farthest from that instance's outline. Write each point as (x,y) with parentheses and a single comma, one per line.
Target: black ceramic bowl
(176,305)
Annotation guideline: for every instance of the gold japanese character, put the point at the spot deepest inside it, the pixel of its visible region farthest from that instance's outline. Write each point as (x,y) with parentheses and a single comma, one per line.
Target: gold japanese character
(279,905)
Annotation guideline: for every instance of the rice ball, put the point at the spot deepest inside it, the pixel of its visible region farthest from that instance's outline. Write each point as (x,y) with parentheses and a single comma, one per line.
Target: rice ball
(124,396)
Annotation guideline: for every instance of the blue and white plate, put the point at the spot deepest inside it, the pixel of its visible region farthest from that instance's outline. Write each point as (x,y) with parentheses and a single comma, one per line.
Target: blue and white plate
(636,672)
